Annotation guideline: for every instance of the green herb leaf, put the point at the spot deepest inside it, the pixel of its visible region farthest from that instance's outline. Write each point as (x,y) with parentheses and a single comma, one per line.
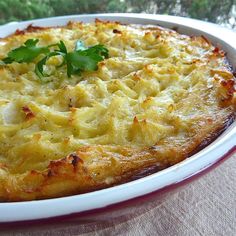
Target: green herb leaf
(99,49)
(39,70)
(26,53)
(31,42)
(82,59)
(62,47)
(85,59)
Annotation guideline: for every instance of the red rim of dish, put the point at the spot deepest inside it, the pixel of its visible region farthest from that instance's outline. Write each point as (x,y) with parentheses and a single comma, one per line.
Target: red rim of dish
(123,204)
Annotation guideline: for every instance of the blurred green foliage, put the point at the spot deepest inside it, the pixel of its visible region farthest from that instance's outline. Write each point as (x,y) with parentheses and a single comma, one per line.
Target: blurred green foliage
(222,12)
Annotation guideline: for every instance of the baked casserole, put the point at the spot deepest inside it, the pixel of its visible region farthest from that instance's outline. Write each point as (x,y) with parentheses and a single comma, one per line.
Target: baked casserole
(157,98)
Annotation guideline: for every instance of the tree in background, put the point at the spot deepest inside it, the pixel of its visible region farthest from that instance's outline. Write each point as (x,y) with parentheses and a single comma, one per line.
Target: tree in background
(70,7)
(213,11)
(223,12)
(153,7)
(13,10)
(117,6)
(208,10)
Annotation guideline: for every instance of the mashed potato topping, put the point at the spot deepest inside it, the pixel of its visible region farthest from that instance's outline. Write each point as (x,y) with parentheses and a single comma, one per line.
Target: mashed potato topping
(157,99)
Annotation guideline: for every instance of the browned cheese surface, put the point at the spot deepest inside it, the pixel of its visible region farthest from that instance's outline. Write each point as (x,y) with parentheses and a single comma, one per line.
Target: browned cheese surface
(157,98)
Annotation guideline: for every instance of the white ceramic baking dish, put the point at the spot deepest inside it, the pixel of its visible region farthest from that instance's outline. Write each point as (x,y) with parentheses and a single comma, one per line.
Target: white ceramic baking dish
(123,195)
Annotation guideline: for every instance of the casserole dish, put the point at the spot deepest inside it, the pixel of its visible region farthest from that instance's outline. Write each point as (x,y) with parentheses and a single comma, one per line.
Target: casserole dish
(190,167)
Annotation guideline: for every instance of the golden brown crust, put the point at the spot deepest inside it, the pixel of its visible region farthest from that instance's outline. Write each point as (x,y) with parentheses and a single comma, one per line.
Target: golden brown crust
(185,122)
(69,175)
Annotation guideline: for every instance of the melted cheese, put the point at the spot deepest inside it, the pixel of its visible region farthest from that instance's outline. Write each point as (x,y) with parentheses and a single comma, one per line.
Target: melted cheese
(157,86)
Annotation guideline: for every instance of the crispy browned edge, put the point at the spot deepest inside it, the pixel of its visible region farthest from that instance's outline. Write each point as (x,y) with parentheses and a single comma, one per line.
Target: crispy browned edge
(77,163)
(205,142)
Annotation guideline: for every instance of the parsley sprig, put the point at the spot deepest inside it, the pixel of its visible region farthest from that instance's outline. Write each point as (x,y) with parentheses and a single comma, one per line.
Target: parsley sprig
(26,53)
(81,59)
